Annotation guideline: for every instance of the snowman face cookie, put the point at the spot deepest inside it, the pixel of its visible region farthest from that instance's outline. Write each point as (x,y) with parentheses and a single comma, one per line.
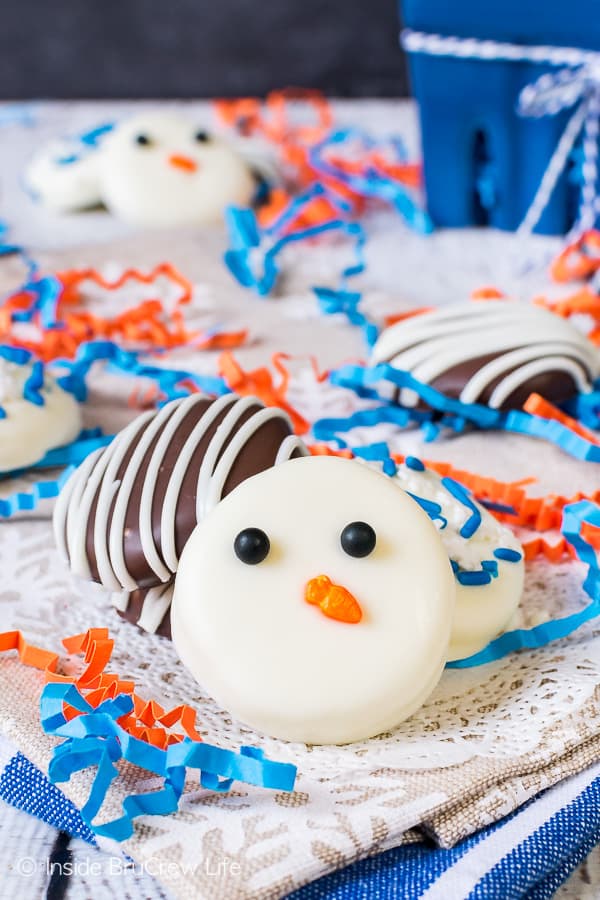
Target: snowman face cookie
(315,602)
(155,169)
(161,170)
(31,427)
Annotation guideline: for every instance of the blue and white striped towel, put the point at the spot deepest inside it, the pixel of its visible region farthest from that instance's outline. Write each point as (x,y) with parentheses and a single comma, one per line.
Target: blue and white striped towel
(529,854)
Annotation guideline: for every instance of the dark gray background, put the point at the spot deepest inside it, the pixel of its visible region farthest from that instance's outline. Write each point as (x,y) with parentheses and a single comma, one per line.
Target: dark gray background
(198,48)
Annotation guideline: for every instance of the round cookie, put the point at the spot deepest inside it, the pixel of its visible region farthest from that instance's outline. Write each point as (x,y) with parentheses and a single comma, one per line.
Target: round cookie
(126,513)
(490,352)
(315,602)
(36,414)
(65,176)
(155,169)
(159,170)
(486,557)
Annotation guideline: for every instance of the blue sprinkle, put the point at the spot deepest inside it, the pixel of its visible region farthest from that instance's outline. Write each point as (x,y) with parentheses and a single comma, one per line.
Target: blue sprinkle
(508,555)
(377,453)
(459,493)
(473,579)
(498,507)
(31,388)
(412,462)
(389,467)
(491,566)
(15,355)
(92,137)
(2,413)
(433,510)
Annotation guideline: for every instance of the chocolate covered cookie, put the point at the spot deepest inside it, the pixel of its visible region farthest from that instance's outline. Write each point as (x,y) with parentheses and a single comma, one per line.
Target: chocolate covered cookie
(491,352)
(124,517)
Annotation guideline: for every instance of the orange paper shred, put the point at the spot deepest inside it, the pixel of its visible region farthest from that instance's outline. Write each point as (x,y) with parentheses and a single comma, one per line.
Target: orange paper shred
(538,406)
(580,260)
(259,383)
(487,293)
(293,121)
(148,721)
(584,302)
(147,325)
(407,314)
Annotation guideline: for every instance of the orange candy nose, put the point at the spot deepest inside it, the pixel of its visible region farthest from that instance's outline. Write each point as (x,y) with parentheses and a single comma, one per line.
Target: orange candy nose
(183,162)
(333,600)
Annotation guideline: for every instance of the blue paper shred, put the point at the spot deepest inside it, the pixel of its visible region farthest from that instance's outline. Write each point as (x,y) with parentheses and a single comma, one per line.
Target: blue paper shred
(455,414)
(128,362)
(34,384)
(371,184)
(575,515)
(26,501)
(96,739)
(253,254)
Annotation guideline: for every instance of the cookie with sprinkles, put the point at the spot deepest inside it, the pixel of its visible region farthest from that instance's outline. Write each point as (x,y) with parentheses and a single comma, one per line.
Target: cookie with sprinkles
(36,414)
(124,517)
(486,557)
(315,602)
(490,352)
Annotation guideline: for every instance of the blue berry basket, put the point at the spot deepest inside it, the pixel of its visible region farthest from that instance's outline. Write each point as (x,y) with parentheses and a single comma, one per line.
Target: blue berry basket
(484,160)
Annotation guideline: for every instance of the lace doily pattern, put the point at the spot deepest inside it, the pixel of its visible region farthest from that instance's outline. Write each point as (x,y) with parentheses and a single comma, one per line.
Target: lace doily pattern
(486,740)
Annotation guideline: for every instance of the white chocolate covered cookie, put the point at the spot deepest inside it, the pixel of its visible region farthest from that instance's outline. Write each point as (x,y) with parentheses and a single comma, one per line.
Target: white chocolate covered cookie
(36,414)
(64,179)
(126,513)
(155,169)
(486,557)
(315,602)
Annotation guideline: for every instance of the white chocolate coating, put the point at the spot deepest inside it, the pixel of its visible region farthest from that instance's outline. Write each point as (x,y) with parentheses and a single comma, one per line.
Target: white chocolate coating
(525,339)
(28,431)
(65,186)
(482,611)
(171,180)
(278,663)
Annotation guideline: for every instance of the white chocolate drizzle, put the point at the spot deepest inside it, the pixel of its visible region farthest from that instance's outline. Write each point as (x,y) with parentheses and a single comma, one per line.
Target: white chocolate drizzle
(156,604)
(97,490)
(526,340)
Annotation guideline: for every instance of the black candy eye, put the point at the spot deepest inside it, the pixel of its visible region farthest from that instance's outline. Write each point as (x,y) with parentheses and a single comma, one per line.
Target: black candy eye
(143,140)
(358,539)
(202,137)
(251,546)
